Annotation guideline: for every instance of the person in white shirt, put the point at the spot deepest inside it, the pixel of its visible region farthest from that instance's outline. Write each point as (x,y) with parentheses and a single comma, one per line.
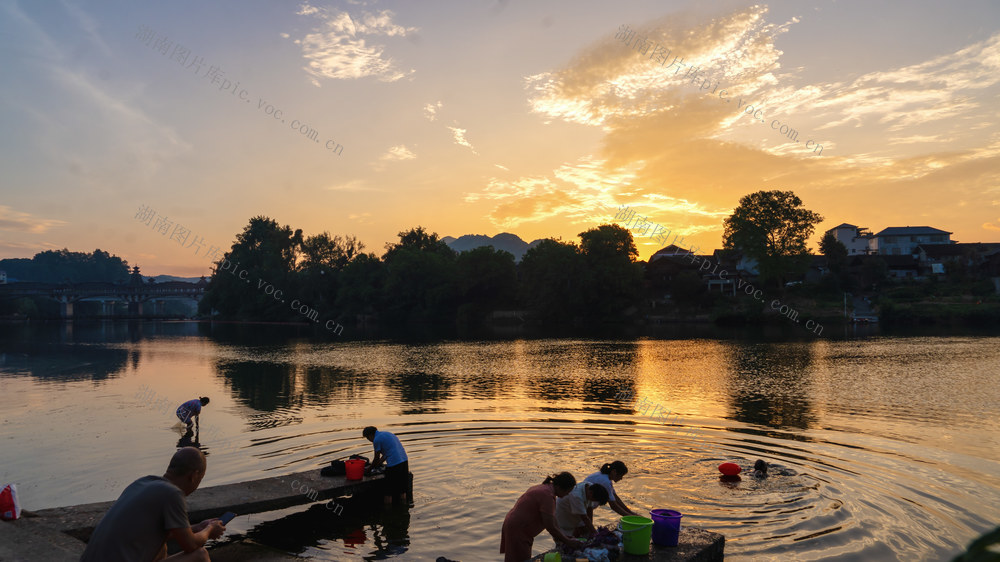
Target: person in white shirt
(575,510)
(611,472)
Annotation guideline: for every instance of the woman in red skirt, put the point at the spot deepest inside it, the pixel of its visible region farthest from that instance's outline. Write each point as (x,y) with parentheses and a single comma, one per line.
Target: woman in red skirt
(534,512)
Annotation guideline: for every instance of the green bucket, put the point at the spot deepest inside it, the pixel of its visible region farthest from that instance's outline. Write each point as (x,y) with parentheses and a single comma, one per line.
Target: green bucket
(636,533)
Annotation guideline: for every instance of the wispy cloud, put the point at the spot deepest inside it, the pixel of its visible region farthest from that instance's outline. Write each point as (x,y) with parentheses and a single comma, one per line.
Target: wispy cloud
(430,110)
(671,136)
(399,152)
(353,185)
(587,191)
(24,222)
(125,143)
(337,48)
(459,135)
(14,248)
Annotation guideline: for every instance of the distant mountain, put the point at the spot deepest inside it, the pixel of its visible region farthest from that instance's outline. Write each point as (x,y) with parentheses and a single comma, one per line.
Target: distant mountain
(504,241)
(164,278)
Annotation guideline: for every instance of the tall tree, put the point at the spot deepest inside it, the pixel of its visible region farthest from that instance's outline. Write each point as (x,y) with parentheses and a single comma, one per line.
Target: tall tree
(554,279)
(333,253)
(772,228)
(487,280)
(420,279)
(263,254)
(361,285)
(834,251)
(615,280)
(323,258)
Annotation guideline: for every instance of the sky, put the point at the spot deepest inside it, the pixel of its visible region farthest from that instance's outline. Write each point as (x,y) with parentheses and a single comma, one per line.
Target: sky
(155,131)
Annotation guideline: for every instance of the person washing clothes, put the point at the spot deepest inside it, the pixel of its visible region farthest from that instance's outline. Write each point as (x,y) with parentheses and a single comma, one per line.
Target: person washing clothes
(389,450)
(611,472)
(534,512)
(575,510)
(191,409)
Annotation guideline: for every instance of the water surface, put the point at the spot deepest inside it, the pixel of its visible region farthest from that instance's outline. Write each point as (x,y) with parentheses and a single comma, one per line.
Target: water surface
(889,441)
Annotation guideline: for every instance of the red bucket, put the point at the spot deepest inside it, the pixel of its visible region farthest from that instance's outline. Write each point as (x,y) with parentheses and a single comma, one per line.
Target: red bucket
(355,469)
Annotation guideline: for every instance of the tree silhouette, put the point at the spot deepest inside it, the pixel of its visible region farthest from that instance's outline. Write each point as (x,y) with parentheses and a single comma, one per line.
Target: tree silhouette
(772,228)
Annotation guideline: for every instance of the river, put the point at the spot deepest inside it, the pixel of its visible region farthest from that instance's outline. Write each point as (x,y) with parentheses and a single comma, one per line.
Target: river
(887,441)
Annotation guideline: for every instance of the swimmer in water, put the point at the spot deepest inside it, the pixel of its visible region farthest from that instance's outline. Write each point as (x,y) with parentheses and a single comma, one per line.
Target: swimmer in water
(760,469)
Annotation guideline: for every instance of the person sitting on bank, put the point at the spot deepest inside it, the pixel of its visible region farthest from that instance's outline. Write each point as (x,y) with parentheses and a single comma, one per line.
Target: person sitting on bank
(611,472)
(389,450)
(149,511)
(575,510)
(534,512)
(191,409)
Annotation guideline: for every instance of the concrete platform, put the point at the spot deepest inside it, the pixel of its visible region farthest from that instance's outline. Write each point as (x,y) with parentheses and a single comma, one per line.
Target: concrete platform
(693,545)
(253,496)
(28,540)
(61,533)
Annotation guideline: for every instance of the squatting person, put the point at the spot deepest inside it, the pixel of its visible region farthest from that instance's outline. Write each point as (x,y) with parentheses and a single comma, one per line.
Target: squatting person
(149,511)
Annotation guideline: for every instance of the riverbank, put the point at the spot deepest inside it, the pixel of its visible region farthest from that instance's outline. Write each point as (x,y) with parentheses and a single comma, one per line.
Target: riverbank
(60,534)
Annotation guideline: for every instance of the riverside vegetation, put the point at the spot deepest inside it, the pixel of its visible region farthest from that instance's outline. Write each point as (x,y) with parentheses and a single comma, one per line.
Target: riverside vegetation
(420,281)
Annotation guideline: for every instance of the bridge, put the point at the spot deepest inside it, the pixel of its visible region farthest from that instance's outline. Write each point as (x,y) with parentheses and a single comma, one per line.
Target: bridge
(135,293)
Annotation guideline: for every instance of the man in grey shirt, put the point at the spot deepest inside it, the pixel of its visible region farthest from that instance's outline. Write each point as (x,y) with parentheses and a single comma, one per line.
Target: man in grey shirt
(149,511)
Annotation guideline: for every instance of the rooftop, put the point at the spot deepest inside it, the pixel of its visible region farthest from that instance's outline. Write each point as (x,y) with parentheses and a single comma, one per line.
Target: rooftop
(910,231)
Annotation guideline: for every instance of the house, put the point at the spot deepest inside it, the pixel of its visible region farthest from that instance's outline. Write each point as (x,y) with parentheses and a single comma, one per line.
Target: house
(902,266)
(903,240)
(671,251)
(934,258)
(3,277)
(856,240)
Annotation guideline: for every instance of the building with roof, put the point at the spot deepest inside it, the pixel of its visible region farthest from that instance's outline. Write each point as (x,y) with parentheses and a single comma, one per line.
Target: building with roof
(857,240)
(903,240)
(936,258)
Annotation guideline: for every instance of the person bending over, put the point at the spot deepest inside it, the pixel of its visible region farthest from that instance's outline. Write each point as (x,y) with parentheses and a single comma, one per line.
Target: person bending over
(534,512)
(149,511)
(611,472)
(389,450)
(191,409)
(575,510)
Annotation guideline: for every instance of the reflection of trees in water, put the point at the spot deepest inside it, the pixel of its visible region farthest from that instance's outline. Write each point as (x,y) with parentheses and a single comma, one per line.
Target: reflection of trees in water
(770,384)
(254,335)
(591,372)
(262,386)
(80,350)
(618,362)
(332,385)
(57,363)
(420,386)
